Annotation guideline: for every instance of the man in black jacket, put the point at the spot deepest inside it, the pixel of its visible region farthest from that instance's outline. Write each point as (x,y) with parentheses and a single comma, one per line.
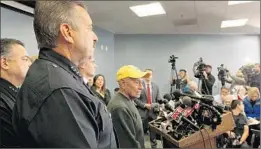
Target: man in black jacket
(208,81)
(54,107)
(14,66)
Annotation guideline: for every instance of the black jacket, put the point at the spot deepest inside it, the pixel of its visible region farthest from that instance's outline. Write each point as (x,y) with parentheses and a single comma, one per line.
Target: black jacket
(56,109)
(8,93)
(106,98)
(207,85)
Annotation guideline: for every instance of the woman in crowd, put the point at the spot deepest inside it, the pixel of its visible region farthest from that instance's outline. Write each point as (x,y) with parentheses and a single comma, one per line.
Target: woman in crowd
(99,88)
(241,131)
(252,103)
(252,110)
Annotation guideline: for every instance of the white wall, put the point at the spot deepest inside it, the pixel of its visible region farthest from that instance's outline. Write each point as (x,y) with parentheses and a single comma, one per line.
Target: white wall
(153,51)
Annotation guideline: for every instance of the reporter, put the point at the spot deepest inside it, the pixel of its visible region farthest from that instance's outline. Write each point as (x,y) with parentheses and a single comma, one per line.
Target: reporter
(252,103)
(242,128)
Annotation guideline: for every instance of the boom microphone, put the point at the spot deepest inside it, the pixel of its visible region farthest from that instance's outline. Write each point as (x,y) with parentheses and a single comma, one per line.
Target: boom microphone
(178,94)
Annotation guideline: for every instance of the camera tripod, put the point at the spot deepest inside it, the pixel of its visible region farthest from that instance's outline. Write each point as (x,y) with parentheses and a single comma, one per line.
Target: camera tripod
(202,81)
(175,83)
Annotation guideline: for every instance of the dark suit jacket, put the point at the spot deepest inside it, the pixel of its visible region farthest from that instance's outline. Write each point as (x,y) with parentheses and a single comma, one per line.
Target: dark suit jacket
(142,100)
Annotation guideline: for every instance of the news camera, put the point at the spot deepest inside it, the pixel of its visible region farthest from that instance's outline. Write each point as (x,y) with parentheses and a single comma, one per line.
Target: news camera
(200,65)
(172,59)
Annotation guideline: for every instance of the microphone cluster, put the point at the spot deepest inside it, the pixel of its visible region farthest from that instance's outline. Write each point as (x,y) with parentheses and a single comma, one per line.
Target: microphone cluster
(184,114)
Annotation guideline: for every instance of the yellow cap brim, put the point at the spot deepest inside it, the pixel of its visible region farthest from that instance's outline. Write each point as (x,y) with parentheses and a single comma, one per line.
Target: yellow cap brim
(140,75)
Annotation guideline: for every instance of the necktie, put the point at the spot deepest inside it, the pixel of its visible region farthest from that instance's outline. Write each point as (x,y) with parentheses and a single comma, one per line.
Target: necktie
(148,94)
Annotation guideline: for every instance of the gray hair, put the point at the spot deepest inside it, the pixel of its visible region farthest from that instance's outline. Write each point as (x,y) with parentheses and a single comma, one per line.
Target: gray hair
(7,43)
(49,15)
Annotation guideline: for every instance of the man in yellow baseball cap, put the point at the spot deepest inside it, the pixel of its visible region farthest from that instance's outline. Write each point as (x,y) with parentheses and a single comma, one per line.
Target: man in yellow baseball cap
(125,116)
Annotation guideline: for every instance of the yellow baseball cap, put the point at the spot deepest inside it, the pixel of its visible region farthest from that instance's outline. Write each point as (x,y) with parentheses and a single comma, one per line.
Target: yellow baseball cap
(130,71)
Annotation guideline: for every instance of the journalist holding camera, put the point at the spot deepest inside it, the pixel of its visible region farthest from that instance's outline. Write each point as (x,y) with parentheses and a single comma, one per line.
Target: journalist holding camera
(206,79)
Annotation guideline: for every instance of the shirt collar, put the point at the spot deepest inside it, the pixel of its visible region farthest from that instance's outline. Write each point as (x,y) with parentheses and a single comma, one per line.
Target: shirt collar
(50,55)
(85,80)
(8,86)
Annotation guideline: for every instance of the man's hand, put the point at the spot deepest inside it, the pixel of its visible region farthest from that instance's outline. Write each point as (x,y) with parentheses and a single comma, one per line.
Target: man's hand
(148,106)
(205,74)
(231,134)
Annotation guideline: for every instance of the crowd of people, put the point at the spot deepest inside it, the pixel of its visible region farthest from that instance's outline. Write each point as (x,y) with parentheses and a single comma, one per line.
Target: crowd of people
(56,100)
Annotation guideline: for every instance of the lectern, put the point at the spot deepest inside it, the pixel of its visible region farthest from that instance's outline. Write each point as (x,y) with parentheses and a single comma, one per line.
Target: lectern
(205,138)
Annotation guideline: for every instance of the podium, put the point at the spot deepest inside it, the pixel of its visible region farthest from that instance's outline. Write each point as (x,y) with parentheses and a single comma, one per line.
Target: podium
(205,138)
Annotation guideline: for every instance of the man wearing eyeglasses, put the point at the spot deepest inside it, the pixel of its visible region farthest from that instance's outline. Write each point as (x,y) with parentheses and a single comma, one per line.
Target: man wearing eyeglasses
(14,66)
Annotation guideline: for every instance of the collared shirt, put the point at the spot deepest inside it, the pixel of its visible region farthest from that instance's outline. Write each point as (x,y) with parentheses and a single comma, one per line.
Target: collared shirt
(146,87)
(8,93)
(85,80)
(55,108)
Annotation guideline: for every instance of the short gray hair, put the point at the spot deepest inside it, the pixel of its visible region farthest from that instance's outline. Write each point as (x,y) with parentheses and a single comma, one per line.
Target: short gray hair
(48,16)
(6,44)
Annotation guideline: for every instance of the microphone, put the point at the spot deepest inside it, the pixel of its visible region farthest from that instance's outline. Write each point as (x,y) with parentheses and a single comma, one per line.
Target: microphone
(178,94)
(167,96)
(163,101)
(187,101)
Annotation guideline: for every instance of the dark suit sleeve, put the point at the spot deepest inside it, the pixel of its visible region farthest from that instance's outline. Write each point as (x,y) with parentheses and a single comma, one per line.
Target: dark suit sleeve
(210,81)
(158,94)
(139,103)
(124,125)
(65,120)
(8,135)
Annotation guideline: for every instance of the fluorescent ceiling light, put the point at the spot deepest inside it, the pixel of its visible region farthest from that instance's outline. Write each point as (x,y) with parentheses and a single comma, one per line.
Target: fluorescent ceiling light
(233,23)
(238,2)
(148,9)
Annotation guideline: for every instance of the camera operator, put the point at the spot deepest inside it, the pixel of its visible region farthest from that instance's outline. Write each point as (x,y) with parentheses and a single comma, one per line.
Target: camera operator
(203,72)
(251,74)
(208,81)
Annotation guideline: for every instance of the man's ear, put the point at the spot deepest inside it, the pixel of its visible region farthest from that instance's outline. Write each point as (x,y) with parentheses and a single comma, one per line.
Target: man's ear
(4,63)
(67,32)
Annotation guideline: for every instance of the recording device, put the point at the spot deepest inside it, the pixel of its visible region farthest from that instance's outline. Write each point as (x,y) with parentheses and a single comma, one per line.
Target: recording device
(222,74)
(172,59)
(168,97)
(249,73)
(191,114)
(178,94)
(174,83)
(200,65)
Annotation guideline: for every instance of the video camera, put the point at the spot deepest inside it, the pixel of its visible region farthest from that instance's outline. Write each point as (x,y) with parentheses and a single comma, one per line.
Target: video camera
(172,59)
(201,66)
(198,68)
